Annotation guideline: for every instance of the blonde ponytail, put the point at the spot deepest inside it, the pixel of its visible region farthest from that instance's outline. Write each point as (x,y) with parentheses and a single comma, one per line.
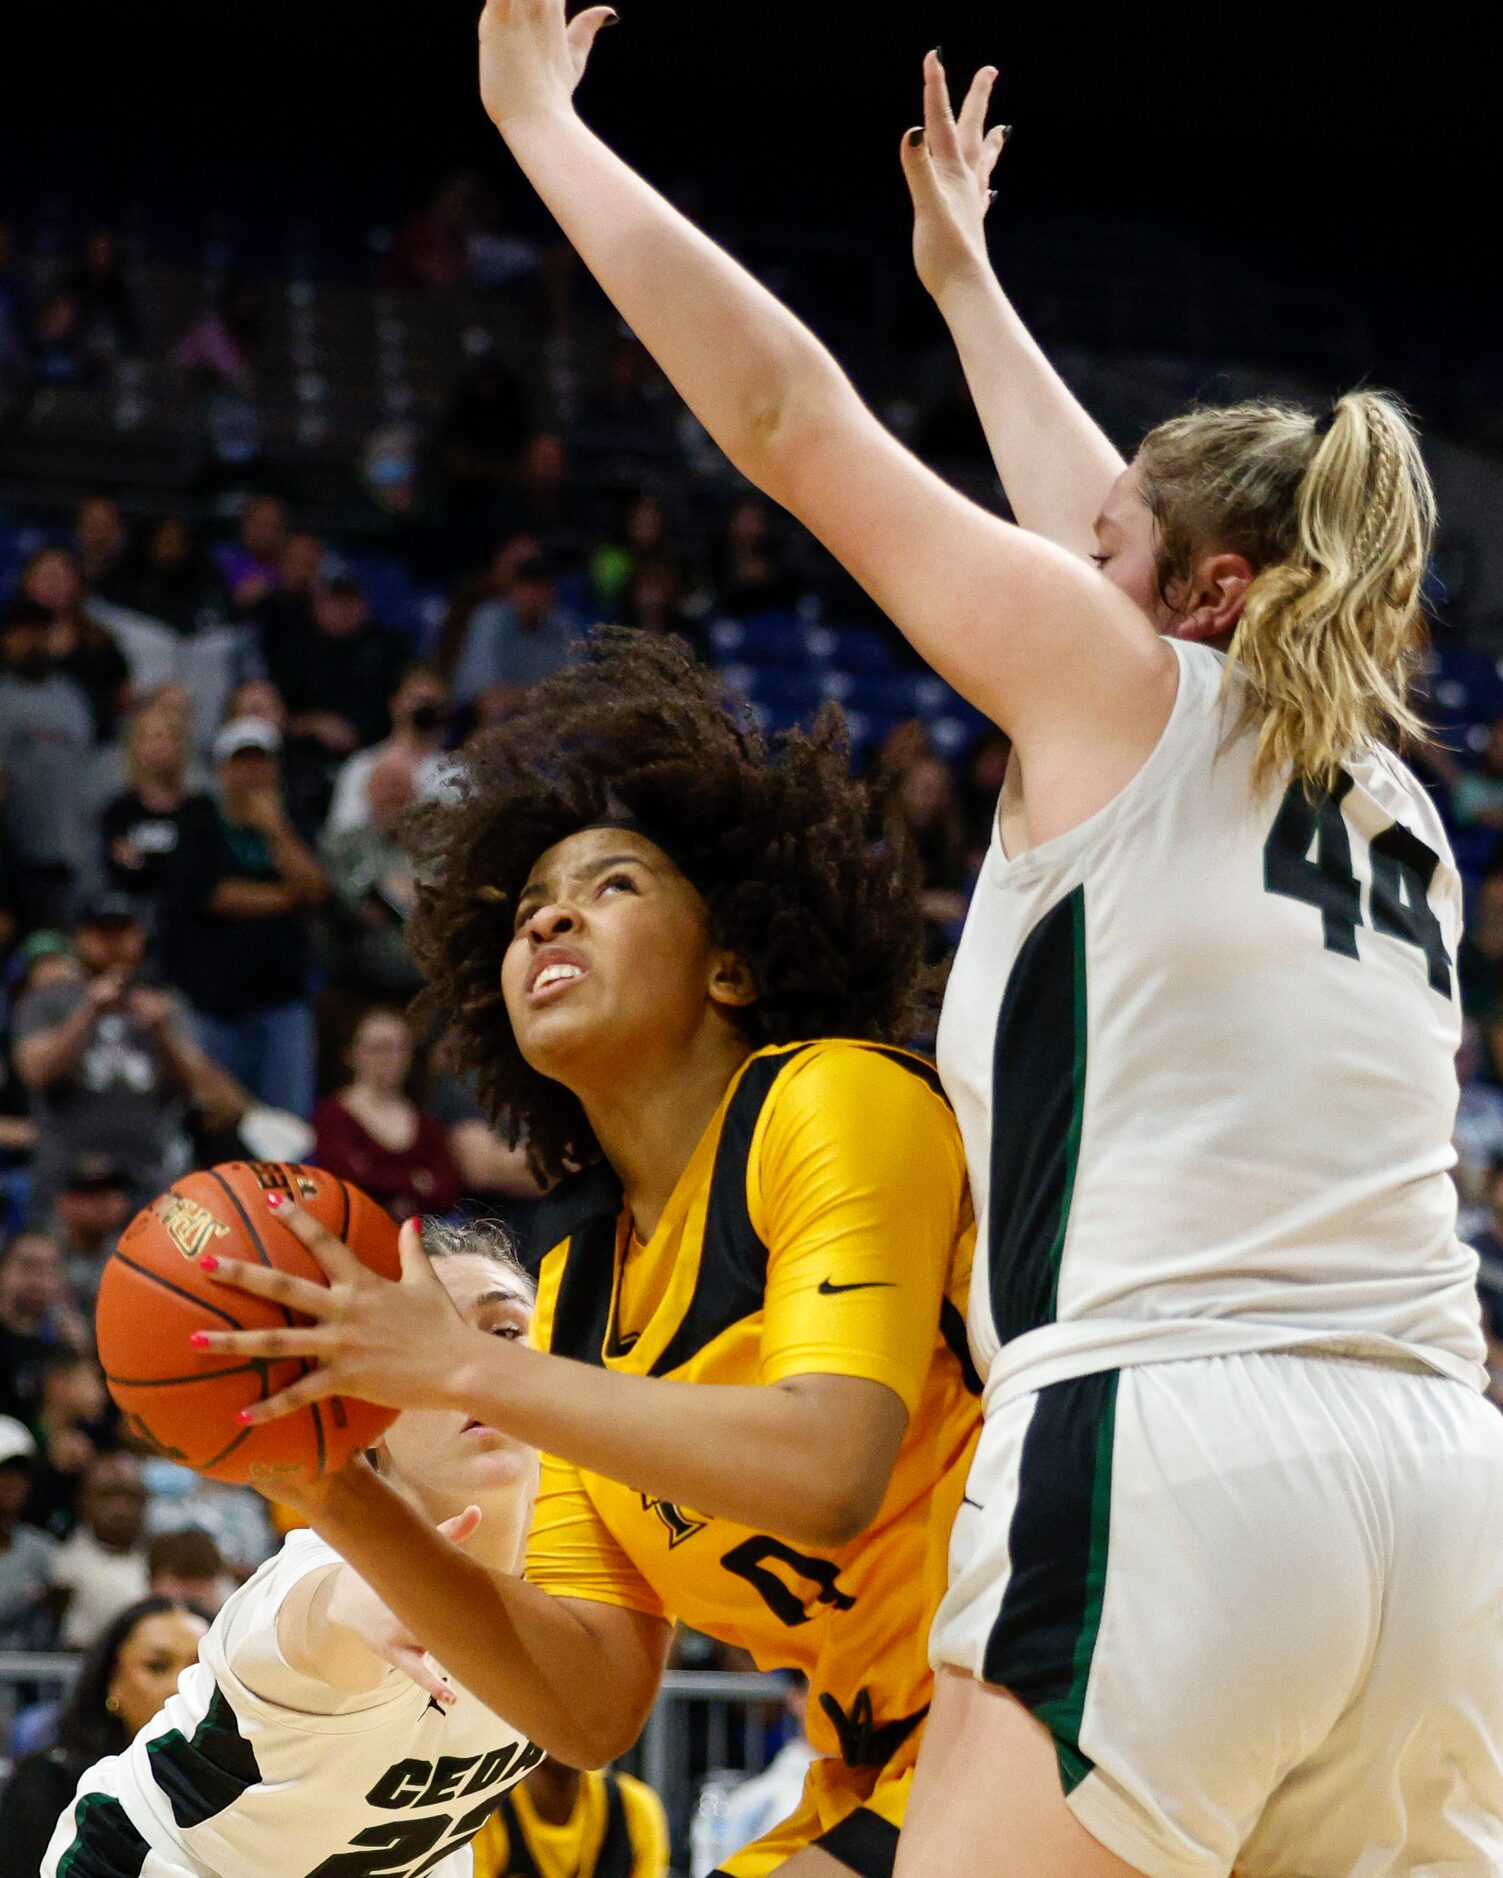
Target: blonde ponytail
(1337,518)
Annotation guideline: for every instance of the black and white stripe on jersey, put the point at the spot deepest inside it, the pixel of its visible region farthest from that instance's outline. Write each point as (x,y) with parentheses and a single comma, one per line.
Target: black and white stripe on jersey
(731,1283)
(200,1777)
(1038,1095)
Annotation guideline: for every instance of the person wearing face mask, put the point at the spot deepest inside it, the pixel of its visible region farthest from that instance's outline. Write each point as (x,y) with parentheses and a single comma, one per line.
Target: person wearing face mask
(419,728)
(308,1730)
(46,754)
(131,1670)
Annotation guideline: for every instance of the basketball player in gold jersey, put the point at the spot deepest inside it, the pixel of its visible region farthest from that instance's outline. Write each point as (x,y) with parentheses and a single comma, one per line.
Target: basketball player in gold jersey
(676,962)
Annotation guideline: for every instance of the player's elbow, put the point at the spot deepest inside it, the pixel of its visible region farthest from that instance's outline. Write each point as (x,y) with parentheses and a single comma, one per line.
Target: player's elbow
(592,1740)
(837,1515)
(779,431)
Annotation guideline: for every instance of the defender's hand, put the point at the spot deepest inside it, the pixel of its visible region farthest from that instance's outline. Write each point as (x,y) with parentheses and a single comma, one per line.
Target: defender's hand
(393,1343)
(531,59)
(949,166)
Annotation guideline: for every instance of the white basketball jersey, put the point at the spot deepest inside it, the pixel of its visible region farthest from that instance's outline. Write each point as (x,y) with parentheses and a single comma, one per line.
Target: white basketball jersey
(1201,1052)
(230,1782)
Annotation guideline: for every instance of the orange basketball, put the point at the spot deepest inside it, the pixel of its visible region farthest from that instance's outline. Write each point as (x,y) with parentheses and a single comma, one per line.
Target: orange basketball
(180,1402)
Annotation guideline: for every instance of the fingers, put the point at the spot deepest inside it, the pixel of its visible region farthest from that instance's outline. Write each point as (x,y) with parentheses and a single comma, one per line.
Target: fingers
(971,124)
(462,1526)
(335,1260)
(415,1663)
(416,1266)
(265,1281)
(581,33)
(917,167)
(310,1388)
(273,1345)
(939,119)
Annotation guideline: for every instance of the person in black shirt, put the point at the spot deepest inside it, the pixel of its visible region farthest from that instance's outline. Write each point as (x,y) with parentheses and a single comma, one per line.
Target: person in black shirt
(140,827)
(337,673)
(241,887)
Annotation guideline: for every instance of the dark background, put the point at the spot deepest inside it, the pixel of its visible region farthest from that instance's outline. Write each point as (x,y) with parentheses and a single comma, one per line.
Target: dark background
(1340,144)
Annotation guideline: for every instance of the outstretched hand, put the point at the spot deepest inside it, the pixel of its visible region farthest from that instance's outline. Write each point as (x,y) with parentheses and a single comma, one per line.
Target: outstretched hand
(949,164)
(532,58)
(355,1608)
(395,1343)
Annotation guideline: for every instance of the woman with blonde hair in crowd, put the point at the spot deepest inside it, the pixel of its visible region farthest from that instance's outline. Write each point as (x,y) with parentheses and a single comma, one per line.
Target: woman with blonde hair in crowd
(139,826)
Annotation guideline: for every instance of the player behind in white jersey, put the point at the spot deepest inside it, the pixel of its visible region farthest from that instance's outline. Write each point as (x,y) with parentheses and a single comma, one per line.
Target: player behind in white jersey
(1200,1030)
(312,1735)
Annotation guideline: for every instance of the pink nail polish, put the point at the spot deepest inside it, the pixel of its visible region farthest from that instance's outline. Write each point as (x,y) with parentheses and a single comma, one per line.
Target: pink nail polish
(199,1340)
(244,1418)
(208,1263)
(274,1200)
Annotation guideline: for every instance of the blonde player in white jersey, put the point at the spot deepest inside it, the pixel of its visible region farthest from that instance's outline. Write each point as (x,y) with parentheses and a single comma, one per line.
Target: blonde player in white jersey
(1231,1591)
(312,1736)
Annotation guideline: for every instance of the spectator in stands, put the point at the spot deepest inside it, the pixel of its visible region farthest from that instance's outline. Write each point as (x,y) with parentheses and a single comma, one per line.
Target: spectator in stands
(241,891)
(109,325)
(1477,793)
(372,1133)
(488,1168)
(750,575)
(188,1567)
(1478,1134)
(514,641)
(170,576)
(477,452)
(110,1062)
(100,542)
(236,1518)
(926,805)
(75,1421)
(141,826)
(374,889)
(25,1552)
(77,644)
(1479,967)
(251,564)
(335,678)
(1488,1243)
(94,1206)
(125,1679)
(218,347)
(419,710)
(594,1825)
(981,779)
(101,1566)
(653,602)
(57,341)
(431,253)
(46,747)
(642,537)
(37,1318)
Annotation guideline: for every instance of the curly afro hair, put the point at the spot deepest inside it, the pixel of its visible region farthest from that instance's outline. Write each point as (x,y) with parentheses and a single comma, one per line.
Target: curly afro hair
(775,840)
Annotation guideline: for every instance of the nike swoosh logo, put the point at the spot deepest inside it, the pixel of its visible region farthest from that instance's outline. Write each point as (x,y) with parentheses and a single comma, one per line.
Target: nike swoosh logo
(827,1289)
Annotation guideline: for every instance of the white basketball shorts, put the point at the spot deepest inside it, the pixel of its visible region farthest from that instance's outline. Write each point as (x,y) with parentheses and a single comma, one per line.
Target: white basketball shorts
(1258,1602)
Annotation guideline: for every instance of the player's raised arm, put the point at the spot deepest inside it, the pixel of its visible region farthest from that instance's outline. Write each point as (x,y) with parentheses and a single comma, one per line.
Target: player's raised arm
(1056,464)
(1019,626)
